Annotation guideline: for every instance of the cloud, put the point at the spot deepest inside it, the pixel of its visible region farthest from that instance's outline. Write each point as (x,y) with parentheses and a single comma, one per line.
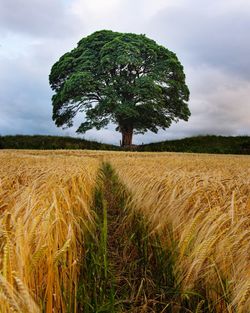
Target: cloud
(24,106)
(42,18)
(210,32)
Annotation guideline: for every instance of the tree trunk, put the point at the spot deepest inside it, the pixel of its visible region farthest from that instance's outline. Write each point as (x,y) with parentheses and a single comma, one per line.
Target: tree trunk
(127,134)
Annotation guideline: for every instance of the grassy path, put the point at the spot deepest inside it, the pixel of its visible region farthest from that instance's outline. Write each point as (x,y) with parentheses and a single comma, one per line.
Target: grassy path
(126,269)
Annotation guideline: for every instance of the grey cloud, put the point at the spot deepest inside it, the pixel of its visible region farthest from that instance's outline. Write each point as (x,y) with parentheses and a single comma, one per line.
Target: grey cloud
(46,18)
(24,105)
(209,32)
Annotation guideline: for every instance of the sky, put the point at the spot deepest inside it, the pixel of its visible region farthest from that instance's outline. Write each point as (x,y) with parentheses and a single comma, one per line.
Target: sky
(210,38)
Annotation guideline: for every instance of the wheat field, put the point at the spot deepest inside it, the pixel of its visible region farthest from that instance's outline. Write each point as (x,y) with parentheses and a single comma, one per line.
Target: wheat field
(45,208)
(199,205)
(205,200)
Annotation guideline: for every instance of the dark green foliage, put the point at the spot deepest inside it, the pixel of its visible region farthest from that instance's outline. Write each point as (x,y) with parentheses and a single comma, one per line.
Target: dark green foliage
(203,144)
(123,78)
(200,144)
(50,143)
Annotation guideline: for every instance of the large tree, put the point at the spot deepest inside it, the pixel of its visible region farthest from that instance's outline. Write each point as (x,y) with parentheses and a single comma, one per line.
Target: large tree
(123,78)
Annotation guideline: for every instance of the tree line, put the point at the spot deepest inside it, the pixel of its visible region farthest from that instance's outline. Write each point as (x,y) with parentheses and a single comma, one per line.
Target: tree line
(198,144)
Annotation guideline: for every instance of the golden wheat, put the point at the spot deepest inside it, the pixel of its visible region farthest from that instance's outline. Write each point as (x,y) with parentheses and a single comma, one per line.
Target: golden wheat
(45,203)
(206,199)
(45,210)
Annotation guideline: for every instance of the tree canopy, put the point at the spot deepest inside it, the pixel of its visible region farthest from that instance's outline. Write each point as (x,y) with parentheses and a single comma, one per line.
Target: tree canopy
(123,78)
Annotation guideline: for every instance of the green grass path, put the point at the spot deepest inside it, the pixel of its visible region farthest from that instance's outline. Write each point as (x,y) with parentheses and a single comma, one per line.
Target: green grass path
(126,269)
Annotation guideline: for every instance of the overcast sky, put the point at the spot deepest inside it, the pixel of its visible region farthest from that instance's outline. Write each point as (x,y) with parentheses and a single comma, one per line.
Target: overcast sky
(210,38)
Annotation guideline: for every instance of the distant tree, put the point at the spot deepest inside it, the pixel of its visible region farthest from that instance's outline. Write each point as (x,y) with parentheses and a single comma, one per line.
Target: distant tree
(123,78)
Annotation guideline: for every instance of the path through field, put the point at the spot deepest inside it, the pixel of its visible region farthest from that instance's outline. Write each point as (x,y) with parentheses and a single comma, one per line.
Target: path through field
(92,232)
(132,272)
(143,268)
